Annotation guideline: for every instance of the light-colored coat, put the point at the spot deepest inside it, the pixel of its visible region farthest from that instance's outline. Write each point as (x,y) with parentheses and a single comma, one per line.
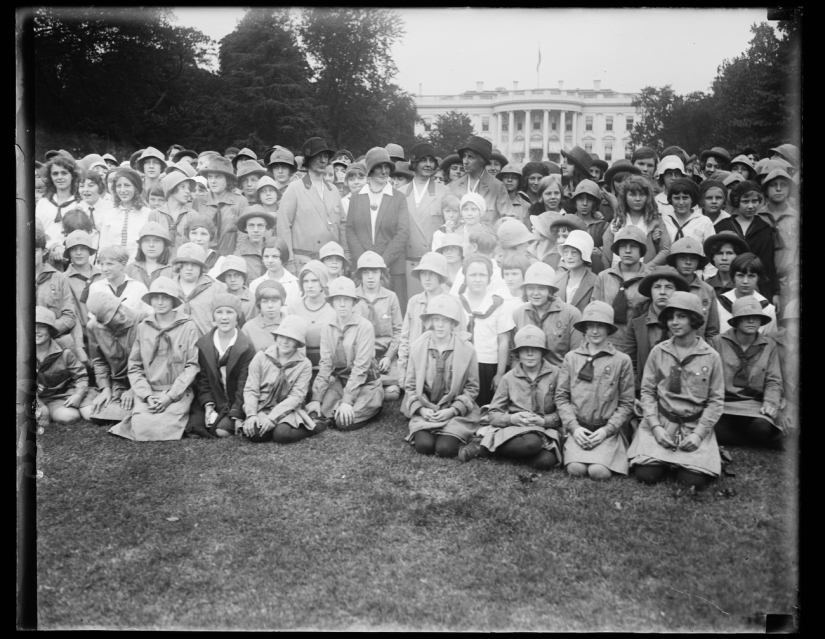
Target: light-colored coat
(494,194)
(557,324)
(198,304)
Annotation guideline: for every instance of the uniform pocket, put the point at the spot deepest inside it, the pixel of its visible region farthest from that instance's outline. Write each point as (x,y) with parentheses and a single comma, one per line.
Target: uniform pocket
(697,382)
(757,378)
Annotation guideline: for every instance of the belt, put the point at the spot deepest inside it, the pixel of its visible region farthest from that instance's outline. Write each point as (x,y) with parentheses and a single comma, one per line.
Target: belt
(599,423)
(680,419)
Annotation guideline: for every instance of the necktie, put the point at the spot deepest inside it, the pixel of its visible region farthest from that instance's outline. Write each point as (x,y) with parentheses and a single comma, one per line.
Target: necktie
(620,301)
(497,301)
(280,387)
(123,232)
(439,386)
(675,381)
(92,217)
(679,228)
(586,372)
(746,360)
(373,315)
(340,360)
(538,405)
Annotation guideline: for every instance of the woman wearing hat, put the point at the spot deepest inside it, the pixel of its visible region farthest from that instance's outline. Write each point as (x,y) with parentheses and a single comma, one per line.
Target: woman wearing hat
(452,167)
(253,223)
(222,205)
(686,219)
(62,177)
(721,249)
(595,397)
(713,160)
(280,163)
(753,379)
(312,207)
(560,229)
(347,391)
(577,282)
(233,273)
(81,272)
(686,256)
(224,356)
(249,172)
(512,178)
(442,383)
(163,364)
(123,223)
(177,210)
(682,397)
(378,220)
(151,163)
(312,308)
(533,173)
(575,170)
(521,421)
(476,155)
(194,287)
(152,257)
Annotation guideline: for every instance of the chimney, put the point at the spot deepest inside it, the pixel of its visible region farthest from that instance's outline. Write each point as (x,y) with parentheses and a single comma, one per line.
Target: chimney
(597,85)
(479,86)
(561,85)
(515,85)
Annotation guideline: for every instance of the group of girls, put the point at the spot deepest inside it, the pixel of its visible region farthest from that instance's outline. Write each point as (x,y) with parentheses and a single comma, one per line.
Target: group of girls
(599,327)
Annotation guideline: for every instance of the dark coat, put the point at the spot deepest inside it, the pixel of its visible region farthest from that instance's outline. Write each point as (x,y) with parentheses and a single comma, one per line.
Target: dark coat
(208,381)
(392,230)
(760,239)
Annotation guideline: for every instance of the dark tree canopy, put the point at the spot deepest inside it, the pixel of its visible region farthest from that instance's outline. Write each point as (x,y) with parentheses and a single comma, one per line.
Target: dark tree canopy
(450,132)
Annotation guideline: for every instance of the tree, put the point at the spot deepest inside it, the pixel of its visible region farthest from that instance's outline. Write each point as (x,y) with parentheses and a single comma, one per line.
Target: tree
(450,132)
(654,107)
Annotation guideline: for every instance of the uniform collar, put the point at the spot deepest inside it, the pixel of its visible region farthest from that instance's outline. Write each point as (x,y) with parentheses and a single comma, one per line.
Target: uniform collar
(607,348)
(701,347)
(545,368)
(729,336)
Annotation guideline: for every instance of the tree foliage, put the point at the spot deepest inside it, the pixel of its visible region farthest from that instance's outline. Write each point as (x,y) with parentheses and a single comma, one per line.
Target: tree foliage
(450,132)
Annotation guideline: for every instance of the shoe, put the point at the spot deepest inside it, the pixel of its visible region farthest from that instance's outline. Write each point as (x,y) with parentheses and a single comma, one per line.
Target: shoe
(471,451)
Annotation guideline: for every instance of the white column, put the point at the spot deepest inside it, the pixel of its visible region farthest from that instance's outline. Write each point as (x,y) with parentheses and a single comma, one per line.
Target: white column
(575,128)
(496,131)
(562,130)
(526,132)
(545,133)
(511,133)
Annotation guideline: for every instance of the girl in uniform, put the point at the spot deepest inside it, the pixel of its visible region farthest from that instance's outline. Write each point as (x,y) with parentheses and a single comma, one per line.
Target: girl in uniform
(92,190)
(222,205)
(81,273)
(200,230)
(233,274)
(195,288)
(577,282)
(177,211)
(721,249)
(269,303)
(62,177)
(312,308)
(452,248)
(748,275)
(332,256)
(152,257)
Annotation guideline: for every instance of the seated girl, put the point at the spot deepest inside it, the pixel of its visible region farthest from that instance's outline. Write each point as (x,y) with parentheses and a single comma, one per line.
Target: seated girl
(275,256)
(276,389)
(313,308)
(748,275)
(595,397)
(753,379)
(521,421)
(62,382)
(441,383)
(195,288)
(577,281)
(347,391)
(550,199)
(234,275)
(269,303)
(687,257)
(453,223)
(162,367)
(682,397)
(152,257)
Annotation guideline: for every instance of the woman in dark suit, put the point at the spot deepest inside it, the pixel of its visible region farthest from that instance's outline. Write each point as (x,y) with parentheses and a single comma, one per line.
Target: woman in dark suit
(378,220)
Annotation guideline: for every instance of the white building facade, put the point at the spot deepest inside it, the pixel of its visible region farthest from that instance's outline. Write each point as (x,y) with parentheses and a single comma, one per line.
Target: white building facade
(535,124)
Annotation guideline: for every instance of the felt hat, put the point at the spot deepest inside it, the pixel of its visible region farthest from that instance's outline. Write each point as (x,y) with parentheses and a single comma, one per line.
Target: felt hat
(402,170)
(332,249)
(530,337)
(766,165)
(662,273)
(678,152)
(444,305)
(280,155)
(630,233)
(396,152)
(745,306)
(375,156)
(244,155)
(711,244)
(256,210)
(133,176)
(687,245)
(745,160)
(186,153)
(226,299)
(269,284)
(582,241)
(587,187)
(474,198)
(341,287)
(788,151)
(103,304)
(552,167)
(50,154)
(688,185)
(266,181)
(78,238)
(598,162)
(498,157)
(181,167)
(431,261)
(540,274)
(199,179)
(313,147)
(110,160)
(535,167)
(451,239)
(743,188)
(352,169)
(318,269)
(166,286)
(43,315)
(369,259)
(233,263)
(448,162)
(154,229)
(340,162)
(580,158)
(171,181)
(478,145)
(729,180)
(348,157)
(718,152)
(190,252)
(150,152)
(249,167)
(572,222)
(218,164)
(670,163)
(597,311)
(420,151)
(199,220)
(511,169)
(90,160)
(707,185)
(293,327)
(620,166)
(134,158)
(512,232)
(684,301)
(231,150)
(776,173)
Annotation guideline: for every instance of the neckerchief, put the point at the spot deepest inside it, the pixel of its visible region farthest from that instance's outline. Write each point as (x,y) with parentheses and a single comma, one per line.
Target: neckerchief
(620,301)
(679,228)
(497,301)
(675,381)
(280,387)
(586,372)
(439,387)
(163,334)
(41,367)
(373,315)
(727,303)
(58,218)
(746,360)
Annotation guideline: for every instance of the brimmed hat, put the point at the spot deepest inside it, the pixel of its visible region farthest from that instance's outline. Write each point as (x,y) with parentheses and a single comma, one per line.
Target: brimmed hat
(662,273)
(134,158)
(448,162)
(580,158)
(598,162)
(511,169)
(688,185)
(535,167)
(352,169)
(167,287)
(369,259)
(630,233)
(340,162)
(670,163)
(244,155)
(597,311)
(181,167)
(154,229)
(725,237)
(746,306)
(171,181)
(530,337)
(620,166)
(226,299)
(150,152)
(552,167)
(766,165)
(186,153)
(313,147)
(717,152)
(266,181)
(776,173)
(582,241)
(233,263)
(730,178)
(318,269)
(478,145)
(345,153)
(451,239)
(744,159)
(341,286)
(587,187)
(249,167)
(512,232)
(396,152)
(540,274)
(375,156)
(87,162)
(573,222)
(707,185)
(684,302)
(788,151)
(444,305)
(110,159)
(431,261)
(103,304)
(269,284)
(280,155)
(218,164)
(474,198)
(498,157)
(190,252)
(402,170)
(293,327)
(199,179)
(43,315)
(677,151)
(256,210)
(332,249)
(78,238)
(687,245)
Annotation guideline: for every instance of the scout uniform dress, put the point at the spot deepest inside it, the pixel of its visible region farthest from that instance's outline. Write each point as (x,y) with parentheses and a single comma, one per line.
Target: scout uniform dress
(557,324)
(384,313)
(517,393)
(442,380)
(279,391)
(137,271)
(223,211)
(724,306)
(596,391)
(657,250)
(79,286)
(623,295)
(710,307)
(59,376)
(198,304)
(684,397)
(644,333)
(175,226)
(583,295)
(252,255)
(161,361)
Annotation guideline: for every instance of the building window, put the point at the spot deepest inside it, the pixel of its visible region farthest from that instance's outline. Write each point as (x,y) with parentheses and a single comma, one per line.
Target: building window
(629,122)
(505,125)
(536,125)
(519,125)
(554,125)
(568,123)
(608,151)
(608,123)
(628,151)
(588,123)
(428,125)
(485,123)
(588,146)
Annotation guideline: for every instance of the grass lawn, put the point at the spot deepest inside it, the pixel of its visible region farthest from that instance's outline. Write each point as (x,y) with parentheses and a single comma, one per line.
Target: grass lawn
(357,531)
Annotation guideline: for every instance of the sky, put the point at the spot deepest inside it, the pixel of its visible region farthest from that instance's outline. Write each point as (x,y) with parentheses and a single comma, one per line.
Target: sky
(447,51)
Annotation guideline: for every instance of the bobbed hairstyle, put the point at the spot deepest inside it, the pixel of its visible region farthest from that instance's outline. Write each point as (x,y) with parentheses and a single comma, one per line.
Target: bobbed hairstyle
(278,243)
(696,319)
(67,163)
(114,252)
(514,262)
(747,262)
(484,240)
(96,178)
(477,257)
(77,220)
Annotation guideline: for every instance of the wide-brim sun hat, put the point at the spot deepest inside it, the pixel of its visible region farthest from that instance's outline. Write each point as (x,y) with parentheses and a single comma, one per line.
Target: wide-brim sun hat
(375,156)
(788,151)
(341,287)
(530,337)
(244,155)
(777,173)
(718,152)
(498,157)
(725,237)
(580,158)
(573,222)
(369,260)
(249,167)
(154,229)
(43,315)
(182,167)
(313,147)
(663,273)
(150,152)
(444,305)
(448,162)
(540,274)
(233,263)
(256,210)
(745,161)
(630,233)
(687,245)
(620,166)
(190,252)
(165,286)
(218,164)
(479,145)
(451,239)
(432,261)
(582,241)
(745,307)
(171,181)
(293,327)
(600,164)
(511,169)
(332,249)
(684,302)
(587,187)
(512,232)
(78,238)
(103,304)
(597,311)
